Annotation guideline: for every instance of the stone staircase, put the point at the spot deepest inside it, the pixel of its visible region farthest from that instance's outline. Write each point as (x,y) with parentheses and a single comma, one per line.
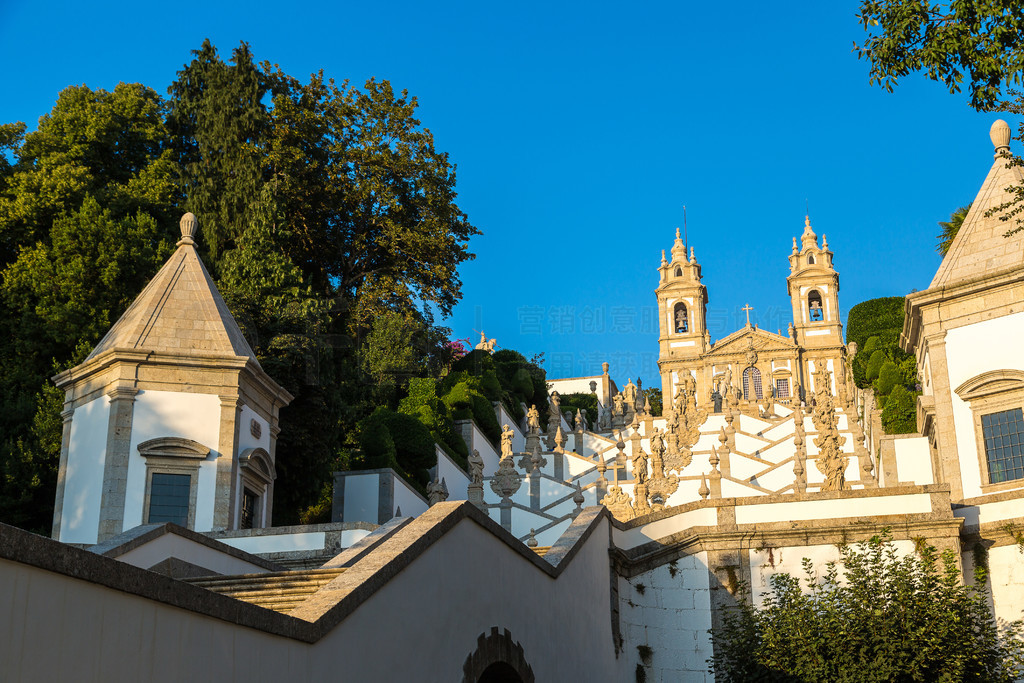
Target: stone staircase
(279,591)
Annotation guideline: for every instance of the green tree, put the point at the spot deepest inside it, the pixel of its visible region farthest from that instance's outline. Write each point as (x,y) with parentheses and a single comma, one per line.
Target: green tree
(950,229)
(877,616)
(900,413)
(86,216)
(977,44)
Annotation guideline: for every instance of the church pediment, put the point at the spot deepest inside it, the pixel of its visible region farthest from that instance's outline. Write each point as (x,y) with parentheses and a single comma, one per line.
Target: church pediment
(739,342)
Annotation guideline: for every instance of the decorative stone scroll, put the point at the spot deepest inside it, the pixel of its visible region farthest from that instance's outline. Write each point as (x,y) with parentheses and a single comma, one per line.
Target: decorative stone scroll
(831,462)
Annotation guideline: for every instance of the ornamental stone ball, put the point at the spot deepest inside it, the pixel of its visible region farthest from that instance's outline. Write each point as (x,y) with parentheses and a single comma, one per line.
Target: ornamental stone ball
(1000,135)
(189,227)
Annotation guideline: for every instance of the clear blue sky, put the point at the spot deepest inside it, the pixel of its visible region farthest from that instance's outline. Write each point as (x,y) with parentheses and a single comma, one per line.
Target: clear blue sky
(581,129)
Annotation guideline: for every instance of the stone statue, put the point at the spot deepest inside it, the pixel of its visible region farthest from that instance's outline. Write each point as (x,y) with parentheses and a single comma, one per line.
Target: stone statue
(629,392)
(486,344)
(554,410)
(604,418)
(640,465)
(690,384)
(437,492)
(506,441)
(830,462)
(476,468)
(617,402)
(533,420)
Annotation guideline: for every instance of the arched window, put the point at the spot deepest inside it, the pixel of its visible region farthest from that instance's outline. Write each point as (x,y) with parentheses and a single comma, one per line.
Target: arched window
(810,259)
(814,308)
(752,383)
(681,318)
(679,271)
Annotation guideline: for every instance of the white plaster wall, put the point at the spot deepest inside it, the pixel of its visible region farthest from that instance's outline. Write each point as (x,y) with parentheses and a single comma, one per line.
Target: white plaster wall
(172,545)
(129,638)
(970,351)
(83,477)
(407,499)
(766,562)
(362,492)
(631,538)
(280,543)
(668,609)
(169,413)
(577,385)
(486,450)
(455,478)
(914,460)
(833,509)
(245,437)
(1006,580)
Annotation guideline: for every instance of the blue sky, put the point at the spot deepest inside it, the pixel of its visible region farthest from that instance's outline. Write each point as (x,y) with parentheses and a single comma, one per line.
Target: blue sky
(581,129)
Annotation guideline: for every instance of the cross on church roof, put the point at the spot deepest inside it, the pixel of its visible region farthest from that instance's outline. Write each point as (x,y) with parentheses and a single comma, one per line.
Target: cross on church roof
(748,309)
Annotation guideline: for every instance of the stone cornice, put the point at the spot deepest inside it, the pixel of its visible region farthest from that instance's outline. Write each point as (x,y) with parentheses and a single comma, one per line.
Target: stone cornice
(918,301)
(246,366)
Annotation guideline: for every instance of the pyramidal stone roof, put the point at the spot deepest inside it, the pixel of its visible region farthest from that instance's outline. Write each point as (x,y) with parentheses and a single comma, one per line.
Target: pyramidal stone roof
(180,311)
(980,247)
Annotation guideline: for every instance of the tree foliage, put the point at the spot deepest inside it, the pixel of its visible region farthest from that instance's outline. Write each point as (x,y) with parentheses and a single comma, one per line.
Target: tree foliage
(950,228)
(977,44)
(326,216)
(876,616)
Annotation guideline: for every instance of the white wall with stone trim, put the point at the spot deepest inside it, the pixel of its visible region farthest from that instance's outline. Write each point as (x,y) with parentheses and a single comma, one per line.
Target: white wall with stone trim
(668,609)
(169,413)
(1005,580)
(362,492)
(455,478)
(914,460)
(173,545)
(83,475)
(970,351)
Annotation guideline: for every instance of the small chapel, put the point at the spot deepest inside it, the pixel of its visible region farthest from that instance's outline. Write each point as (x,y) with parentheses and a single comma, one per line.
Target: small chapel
(597,548)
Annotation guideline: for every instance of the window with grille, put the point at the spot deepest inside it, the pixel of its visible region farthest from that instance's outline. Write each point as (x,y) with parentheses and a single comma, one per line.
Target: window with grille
(752,382)
(782,388)
(1004,435)
(248,517)
(169,498)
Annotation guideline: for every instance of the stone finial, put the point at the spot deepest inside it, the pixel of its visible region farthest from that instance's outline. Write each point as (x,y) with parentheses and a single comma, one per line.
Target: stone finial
(704,491)
(189,225)
(808,239)
(824,242)
(604,367)
(531,542)
(577,497)
(796,250)
(1000,135)
(664,262)
(693,259)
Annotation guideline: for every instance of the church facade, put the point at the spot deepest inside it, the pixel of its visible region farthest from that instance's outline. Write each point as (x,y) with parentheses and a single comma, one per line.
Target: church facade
(753,364)
(597,552)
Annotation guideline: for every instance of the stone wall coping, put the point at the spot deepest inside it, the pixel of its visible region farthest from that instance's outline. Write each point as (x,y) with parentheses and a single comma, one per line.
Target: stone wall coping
(997,497)
(902,490)
(894,437)
(145,533)
(692,540)
(357,550)
(322,611)
(295,529)
(338,599)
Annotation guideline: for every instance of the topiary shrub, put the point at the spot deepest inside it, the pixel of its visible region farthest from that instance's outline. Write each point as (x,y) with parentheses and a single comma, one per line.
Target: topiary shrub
(398,441)
(888,377)
(874,365)
(376,443)
(900,413)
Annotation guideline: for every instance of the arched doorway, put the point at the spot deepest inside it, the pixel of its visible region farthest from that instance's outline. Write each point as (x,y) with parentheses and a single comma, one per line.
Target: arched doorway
(497,659)
(500,672)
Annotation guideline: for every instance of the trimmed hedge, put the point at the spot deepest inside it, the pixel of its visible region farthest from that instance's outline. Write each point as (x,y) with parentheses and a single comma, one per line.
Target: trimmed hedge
(882,318)
(401,442)
(900,413)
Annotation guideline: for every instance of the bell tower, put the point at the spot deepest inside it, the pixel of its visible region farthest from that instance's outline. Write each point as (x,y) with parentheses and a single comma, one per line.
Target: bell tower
(682,309)
(813,287)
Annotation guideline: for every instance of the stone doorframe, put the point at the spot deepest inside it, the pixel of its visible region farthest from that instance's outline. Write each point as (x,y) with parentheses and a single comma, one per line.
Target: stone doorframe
(493,648)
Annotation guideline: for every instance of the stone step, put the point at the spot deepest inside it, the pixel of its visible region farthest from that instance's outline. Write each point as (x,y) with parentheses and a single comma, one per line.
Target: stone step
(279,591)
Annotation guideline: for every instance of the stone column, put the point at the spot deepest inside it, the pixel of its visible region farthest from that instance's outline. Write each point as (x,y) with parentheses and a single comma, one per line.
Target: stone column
(945,429)
(227,463)
(65,445)
(115,466)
